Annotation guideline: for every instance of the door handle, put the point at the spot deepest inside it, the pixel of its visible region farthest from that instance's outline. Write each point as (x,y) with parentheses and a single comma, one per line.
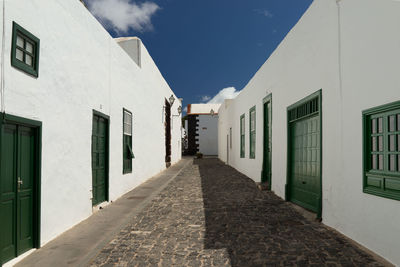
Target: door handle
(303,182)
(20,182)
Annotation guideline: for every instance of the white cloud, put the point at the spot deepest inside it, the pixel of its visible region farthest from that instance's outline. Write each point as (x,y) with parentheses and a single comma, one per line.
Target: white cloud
(226,93)
(264,12)
(185,109)
(123,15)
(205,98)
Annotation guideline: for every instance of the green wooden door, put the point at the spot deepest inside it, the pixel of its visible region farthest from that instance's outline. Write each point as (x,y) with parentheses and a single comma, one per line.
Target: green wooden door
(18,163)
(305,162)
(99,159)
(8,209)
(26,175)
(267,154)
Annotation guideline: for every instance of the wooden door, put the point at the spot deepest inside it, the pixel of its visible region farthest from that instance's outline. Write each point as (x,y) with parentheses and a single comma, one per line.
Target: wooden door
(25,185)
(267,149)
(227,149)
(18,169)
(99,159)
(305,163)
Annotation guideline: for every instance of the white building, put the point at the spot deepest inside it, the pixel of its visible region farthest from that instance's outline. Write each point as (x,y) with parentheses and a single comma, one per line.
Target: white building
(81,116)
(319,122)
(202,129)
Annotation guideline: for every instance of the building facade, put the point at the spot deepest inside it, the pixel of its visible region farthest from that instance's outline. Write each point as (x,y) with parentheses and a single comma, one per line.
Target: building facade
(319,123)
(81,115)
(201,124)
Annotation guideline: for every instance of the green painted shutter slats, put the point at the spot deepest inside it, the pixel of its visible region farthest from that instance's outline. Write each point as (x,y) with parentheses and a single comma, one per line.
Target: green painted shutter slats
(127,142)
(242,136)
(252,132)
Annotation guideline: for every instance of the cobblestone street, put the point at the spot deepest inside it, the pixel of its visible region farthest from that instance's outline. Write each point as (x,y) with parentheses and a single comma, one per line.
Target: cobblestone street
(211,215)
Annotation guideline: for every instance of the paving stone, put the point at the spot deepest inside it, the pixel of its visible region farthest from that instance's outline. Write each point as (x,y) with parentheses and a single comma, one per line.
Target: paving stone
(212,215)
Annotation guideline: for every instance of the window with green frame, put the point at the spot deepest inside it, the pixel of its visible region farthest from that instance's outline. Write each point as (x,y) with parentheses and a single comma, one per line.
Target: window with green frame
(127,141)
(25,50)
(252,132)
(242,140)
(382,150)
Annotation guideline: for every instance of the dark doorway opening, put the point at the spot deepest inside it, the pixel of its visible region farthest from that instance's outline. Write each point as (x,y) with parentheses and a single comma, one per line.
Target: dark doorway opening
(267,149)
(100,156)
(167,133)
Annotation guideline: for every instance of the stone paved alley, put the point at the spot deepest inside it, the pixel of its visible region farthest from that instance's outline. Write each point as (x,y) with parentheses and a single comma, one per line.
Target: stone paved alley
(211,215)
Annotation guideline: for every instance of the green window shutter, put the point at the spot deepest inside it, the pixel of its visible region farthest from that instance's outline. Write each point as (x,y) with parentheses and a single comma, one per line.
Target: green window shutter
(25,50)
(252,132)
(381,139)
(127,142)
(242,132)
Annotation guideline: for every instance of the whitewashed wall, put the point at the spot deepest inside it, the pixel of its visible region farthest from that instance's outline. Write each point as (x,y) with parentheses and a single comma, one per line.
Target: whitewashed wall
(83,68)
(208,134)
(350,50)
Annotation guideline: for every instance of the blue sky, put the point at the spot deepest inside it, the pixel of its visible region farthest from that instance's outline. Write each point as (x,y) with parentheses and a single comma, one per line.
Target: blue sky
(203,46)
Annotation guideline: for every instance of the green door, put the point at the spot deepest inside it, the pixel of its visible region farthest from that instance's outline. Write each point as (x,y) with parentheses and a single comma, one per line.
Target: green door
(305,160)
(304,150)
(267,154)
(18,172)
(99,159)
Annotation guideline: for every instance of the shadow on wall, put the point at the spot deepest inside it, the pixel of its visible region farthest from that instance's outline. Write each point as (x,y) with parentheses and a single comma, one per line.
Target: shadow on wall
(257,228)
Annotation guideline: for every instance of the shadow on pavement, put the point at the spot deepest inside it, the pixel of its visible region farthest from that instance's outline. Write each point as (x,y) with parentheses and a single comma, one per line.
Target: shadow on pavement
(257,228)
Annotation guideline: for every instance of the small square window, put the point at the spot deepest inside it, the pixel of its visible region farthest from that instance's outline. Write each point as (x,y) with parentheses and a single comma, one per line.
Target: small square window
(20,41)
(392,142)
(28,60)
(29,47)
(19,54)
(25,51)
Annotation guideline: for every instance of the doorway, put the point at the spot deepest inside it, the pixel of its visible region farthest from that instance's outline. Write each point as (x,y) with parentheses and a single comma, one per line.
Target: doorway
(227,149)
(304,182)
(267,149)
(20,142)
(167,133)
(100,156)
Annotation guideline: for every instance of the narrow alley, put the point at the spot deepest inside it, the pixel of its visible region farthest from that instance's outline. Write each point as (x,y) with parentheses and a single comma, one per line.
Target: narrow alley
(211,215)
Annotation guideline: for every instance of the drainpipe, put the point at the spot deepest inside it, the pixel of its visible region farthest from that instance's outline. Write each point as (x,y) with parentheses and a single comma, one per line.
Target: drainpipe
(339,49)
(2,108)
(340,69)
(340,81)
